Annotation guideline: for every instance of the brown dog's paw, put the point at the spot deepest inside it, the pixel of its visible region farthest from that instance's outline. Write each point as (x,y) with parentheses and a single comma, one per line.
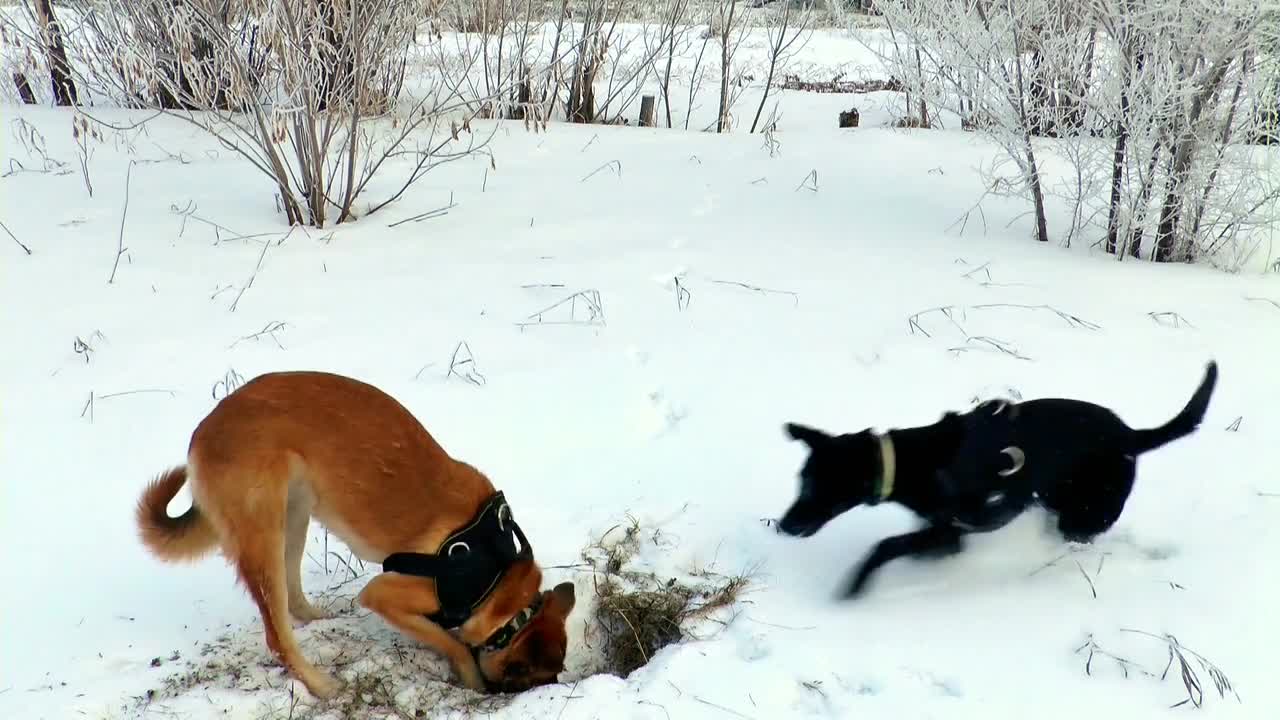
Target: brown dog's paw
(322,685)
(308,613)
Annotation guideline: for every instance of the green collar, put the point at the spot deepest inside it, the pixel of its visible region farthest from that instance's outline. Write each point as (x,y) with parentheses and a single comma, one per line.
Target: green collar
(888,468)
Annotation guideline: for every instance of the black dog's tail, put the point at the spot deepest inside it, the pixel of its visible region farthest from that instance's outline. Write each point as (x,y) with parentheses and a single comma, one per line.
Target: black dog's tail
(1185,422)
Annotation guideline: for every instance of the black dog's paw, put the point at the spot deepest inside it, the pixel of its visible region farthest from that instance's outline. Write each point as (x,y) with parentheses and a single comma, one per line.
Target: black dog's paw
(857,586)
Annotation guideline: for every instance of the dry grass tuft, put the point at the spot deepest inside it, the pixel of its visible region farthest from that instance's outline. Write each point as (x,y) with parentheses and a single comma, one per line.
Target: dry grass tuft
(636,613)
(384,674)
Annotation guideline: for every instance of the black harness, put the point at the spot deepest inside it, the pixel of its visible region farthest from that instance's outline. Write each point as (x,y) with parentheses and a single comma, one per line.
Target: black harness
(469,564)
(985,482)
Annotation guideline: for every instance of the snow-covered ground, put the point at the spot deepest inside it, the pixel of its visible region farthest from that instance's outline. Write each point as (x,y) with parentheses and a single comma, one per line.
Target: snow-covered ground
(739,289)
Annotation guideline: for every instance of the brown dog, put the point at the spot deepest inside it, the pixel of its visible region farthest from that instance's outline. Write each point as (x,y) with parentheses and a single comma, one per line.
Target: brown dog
(286,447)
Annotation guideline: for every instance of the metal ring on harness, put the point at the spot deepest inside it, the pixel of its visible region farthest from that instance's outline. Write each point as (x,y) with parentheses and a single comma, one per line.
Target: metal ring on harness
(504,514)
(1017,456)
(1000,406)
(465,547)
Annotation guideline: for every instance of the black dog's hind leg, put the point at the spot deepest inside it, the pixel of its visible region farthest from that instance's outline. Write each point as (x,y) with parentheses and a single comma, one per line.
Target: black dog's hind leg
(934,541)
(1096,501)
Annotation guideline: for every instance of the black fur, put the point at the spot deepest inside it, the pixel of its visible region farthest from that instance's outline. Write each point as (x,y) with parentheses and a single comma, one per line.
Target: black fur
(1080,461)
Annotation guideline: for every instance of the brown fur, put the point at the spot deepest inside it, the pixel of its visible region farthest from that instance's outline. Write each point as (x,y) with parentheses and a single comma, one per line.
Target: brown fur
(287,447)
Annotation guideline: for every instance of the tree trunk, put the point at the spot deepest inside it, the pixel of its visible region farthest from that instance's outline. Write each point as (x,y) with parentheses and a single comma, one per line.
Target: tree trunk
(1136,226)
(1118,157)
(64,88)
(1033,168)
(1183,155)
(1041,121)
(1074,117)
(337,80)
(722,123)
(924,107)
(774,51)
(24,88)
(1223,141)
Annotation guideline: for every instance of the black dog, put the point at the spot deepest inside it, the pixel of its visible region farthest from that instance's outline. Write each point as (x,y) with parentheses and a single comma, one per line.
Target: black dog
(977,471)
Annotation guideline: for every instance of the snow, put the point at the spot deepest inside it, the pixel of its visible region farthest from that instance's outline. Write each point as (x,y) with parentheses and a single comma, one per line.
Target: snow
(666,408)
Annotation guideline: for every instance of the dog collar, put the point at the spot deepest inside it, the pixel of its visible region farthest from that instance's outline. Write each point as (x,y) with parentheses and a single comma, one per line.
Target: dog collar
(888,468)
(468,565)
(503,636)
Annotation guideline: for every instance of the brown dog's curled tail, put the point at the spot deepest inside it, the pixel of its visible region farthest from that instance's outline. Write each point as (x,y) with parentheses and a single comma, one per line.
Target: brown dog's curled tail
(174,539)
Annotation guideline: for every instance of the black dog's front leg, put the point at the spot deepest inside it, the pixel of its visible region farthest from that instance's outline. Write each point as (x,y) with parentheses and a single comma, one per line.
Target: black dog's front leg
(932,541)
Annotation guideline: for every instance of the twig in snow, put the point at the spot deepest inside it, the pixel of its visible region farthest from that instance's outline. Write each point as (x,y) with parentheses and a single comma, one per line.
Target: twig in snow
(660,707)
(722,708)
(1087,578)
(567,698)
(143,391)
(590,142)
(947,311)
(1269,301)
(15,238)
(806,185)
(189,213)
(269,330)
(589,299)
(1169,318)
(534,286)
(83,347)
(471,374)
(428,215)
(1072,320)
(1095,649)
(1190,678)
(256,268)
(615,164)
(227,384)
(963,220)
(795,297)
(120,248)
(985,269)
(1235,424)
(92,402)
(981,342)
(683,296)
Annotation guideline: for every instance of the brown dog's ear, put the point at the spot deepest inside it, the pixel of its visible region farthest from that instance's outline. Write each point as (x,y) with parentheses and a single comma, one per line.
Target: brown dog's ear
(564,594)
(809,436)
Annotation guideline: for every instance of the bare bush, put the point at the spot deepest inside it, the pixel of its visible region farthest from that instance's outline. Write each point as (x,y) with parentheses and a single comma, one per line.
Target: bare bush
(787,32)
(729,27)
(309,92)
(1165,83)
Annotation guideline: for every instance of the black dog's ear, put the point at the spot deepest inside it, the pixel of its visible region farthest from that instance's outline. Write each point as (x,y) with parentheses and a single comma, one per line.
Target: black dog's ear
(805,434)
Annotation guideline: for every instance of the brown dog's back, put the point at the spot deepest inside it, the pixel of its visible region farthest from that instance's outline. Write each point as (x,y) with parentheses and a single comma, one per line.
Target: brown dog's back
(326,442)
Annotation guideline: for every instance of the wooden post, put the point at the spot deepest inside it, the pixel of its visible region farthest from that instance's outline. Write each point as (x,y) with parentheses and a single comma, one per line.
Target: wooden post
(647,105)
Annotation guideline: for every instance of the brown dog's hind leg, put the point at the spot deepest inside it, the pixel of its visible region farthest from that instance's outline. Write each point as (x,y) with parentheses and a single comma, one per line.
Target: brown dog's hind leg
(263,573)
(404,601)
(297,519)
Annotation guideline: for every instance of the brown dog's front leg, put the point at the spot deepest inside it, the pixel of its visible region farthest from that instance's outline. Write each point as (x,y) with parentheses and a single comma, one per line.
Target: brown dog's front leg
(404,601)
